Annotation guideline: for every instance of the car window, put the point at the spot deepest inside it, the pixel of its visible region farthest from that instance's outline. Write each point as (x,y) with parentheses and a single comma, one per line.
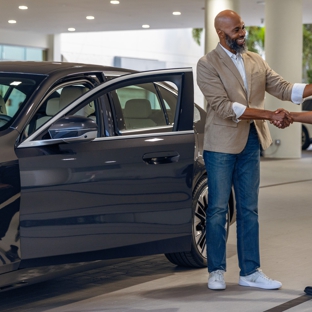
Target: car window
(15,90)
(169,96)
(139,107)
(57,100)
(307,105)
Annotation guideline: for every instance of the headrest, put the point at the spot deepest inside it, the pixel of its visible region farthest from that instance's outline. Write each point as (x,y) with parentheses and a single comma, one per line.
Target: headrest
(69,94)
(2,106)
(53,107)
(137,108)
(87,110)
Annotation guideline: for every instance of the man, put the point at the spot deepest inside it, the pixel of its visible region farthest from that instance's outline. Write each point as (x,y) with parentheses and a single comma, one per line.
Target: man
(234,83)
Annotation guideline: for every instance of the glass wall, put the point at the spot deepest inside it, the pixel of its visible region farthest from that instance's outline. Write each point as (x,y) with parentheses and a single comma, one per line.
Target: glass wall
(16,53)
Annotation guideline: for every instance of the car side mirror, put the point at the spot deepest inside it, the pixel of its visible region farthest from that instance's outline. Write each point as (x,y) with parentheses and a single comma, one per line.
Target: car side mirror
(74,128)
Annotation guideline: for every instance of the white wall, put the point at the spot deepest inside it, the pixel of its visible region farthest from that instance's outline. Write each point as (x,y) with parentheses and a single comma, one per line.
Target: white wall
(26,39)
(175,47)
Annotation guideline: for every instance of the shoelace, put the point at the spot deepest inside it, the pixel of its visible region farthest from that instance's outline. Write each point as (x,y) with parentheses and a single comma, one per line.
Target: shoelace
(260,273)
(218,275)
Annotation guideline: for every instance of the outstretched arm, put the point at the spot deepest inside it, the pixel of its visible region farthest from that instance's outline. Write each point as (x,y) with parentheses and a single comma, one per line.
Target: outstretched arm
(280,118)
(307,90)
(305,117)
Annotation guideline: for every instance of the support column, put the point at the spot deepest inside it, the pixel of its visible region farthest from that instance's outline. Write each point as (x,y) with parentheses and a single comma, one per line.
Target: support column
(212,8)
(283,52)
(54,49)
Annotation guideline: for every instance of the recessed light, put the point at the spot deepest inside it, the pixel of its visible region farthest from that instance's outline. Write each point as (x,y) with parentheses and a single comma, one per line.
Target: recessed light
(145,26)
(176,13)
(23,7)
(71,29)
(114,2)
(12,22)
(90,17)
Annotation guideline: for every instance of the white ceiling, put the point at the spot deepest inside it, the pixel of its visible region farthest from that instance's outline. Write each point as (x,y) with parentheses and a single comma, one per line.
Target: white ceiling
(56,16)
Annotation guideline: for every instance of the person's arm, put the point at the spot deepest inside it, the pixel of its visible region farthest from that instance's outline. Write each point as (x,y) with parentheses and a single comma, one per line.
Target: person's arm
(305,117)
(307,90)
(281,119)
(254,113)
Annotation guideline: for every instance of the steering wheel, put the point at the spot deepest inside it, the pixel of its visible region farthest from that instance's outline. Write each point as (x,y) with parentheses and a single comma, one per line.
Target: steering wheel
(5,117)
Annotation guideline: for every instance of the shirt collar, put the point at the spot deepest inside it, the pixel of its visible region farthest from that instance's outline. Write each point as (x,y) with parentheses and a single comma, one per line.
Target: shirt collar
(230,54)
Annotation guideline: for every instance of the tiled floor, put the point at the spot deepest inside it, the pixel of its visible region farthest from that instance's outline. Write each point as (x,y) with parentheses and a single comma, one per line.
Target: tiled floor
(153,284)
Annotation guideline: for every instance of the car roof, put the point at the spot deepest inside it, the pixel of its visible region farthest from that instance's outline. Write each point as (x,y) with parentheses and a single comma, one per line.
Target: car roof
(49,68)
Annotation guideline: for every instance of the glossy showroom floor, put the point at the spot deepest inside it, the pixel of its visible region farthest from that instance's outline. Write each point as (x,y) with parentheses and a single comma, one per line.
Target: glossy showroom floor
(153,284)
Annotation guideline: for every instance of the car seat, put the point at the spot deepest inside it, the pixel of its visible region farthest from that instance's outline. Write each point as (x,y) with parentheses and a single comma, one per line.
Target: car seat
(137,114)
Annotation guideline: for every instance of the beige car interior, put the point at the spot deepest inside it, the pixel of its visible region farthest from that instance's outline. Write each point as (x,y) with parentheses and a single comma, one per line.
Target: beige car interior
(68,95)
(137,114)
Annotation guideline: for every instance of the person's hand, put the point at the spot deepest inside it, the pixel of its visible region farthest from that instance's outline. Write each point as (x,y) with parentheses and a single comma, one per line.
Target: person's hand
(281,118)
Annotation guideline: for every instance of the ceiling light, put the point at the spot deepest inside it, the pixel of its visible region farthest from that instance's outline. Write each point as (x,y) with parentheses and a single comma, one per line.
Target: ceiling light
(90,17)
(23,7)
(71,29)
(145,26)
(176,13)
(114,2)
(12,22)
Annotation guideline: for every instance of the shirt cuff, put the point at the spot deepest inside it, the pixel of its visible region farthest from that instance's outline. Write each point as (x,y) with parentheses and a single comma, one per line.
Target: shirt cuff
(239,110)
(297,93)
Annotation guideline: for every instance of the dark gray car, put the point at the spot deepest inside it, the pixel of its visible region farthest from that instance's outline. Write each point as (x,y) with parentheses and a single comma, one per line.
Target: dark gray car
(98,163)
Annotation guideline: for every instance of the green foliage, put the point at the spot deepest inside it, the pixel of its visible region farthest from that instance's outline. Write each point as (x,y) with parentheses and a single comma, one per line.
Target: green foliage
(196,33)
(309,75)
(255,39)
(306,53)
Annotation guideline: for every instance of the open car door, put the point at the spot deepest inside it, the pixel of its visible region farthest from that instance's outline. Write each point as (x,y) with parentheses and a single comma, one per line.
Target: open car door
(116,182)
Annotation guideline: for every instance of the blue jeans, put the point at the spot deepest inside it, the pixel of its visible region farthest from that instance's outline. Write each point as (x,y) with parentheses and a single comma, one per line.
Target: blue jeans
(243,172)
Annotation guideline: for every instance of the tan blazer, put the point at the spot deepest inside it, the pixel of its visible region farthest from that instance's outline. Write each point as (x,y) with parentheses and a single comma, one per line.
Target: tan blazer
(222,84)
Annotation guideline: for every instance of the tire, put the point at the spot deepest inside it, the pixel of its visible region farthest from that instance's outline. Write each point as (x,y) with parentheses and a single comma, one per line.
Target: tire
(305,138)
(197,257)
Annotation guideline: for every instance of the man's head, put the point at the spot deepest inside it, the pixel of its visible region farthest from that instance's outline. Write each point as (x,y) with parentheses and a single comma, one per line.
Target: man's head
(231,31)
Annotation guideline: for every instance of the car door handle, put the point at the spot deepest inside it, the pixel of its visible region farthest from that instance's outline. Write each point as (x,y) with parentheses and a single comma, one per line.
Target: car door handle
(161,158)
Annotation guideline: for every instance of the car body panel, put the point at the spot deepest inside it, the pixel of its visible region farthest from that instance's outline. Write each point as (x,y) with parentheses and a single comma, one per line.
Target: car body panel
(306,128)
(88,197)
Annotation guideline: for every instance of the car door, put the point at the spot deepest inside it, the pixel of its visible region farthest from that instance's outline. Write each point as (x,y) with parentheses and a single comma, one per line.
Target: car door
(124,193)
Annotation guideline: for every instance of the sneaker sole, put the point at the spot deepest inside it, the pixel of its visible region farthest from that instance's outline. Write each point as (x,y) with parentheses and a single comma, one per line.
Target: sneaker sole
(220,287)
(250,284)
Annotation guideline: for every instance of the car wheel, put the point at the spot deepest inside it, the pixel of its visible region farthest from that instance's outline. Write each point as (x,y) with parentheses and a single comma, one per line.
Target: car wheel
(197,257)
(305,138)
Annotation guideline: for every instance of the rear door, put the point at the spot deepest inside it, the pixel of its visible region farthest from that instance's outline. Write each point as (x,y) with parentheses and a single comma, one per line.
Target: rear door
(127,192)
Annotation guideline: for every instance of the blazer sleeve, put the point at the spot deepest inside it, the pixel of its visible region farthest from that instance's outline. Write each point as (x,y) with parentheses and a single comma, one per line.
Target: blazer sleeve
(276,85)
(211,85)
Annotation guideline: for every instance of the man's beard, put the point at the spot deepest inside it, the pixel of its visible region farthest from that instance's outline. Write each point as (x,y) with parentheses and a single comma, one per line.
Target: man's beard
(234,46)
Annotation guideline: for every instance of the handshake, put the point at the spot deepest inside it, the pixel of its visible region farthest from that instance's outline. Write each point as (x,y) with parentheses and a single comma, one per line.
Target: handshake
(281,118)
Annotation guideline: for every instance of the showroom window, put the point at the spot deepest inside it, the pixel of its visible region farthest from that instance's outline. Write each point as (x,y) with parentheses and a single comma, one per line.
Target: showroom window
(16,53)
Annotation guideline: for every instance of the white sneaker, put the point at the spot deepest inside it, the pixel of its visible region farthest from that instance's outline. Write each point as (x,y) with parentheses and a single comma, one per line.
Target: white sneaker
(260,280)
(216,280)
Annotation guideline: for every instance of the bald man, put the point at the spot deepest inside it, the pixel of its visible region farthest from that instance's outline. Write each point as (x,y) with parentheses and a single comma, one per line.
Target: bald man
(234,82)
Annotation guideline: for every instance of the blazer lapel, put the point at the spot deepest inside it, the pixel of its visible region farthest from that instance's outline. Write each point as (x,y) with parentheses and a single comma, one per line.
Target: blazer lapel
(247,66)
(231,66)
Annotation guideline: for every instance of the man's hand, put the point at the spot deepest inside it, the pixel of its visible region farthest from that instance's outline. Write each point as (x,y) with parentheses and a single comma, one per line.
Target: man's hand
(281,118)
